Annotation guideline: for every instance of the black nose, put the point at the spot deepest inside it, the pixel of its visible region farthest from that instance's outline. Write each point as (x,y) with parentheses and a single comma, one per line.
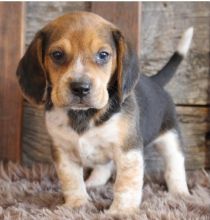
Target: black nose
(80,89)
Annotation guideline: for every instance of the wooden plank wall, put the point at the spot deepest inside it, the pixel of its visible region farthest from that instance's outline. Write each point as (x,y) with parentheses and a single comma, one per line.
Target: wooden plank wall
(161,27)
(115,13)
(11,49)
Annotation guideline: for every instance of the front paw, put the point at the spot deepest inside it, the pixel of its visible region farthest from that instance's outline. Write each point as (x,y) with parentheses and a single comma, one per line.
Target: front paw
(116,210)
(178,187)
(179,192)
(76,202)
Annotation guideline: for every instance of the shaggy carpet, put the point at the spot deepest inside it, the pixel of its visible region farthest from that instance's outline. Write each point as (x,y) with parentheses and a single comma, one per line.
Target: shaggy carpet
(34,193)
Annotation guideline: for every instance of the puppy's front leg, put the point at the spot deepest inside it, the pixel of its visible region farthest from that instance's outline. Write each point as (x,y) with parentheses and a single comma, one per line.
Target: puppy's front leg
(129,182)
(70,175)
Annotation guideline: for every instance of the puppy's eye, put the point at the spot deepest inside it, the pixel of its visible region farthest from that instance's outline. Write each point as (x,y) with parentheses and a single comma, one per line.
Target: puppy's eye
(102,57)
(57,56)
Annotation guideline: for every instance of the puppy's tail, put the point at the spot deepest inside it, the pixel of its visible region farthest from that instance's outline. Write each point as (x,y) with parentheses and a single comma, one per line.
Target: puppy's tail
(167,72)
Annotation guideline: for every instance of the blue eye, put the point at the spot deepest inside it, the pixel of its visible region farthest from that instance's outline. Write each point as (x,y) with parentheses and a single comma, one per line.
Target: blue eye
(102,57)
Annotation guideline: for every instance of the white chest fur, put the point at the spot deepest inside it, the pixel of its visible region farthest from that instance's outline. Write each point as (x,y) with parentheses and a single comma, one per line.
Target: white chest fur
(95,146)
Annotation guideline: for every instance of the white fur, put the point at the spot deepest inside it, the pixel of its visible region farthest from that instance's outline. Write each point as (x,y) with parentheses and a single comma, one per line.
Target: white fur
(100,175)
(94,146)
(184,43)
(79,67)
(168,146)
(58,128)
(76,73)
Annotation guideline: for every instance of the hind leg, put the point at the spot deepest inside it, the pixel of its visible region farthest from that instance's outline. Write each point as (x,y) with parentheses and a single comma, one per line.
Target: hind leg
(168,144)
(100,175)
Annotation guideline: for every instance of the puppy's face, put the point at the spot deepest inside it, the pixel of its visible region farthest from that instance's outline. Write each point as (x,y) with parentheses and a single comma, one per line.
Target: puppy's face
(79,55)
(80,60)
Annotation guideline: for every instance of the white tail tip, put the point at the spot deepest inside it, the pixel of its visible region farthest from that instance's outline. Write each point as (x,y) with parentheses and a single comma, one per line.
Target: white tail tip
(184,43)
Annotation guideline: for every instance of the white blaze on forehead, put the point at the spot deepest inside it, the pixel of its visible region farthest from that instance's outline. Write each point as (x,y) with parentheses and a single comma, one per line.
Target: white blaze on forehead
(79,66)
(77,71)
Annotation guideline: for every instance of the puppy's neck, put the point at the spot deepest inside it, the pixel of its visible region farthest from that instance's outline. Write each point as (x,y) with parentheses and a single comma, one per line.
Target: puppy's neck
(79,120)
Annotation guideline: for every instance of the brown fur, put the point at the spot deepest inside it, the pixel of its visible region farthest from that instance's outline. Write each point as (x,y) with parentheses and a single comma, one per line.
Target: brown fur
(129,180)
(121,54)
(71,178)
(80,37)
(84,49)
(77,42)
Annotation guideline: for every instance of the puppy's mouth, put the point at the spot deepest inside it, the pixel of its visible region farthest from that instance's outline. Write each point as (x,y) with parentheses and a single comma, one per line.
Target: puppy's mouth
(80,104)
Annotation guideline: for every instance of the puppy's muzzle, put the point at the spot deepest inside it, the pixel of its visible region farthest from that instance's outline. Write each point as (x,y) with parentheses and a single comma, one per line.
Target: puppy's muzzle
(80,89)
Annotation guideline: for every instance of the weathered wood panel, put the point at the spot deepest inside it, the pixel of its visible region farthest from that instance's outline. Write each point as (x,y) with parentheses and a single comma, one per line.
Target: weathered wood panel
(123,15)
(195,124)
(36,141)
(40,13)
(11,29)
(163,24)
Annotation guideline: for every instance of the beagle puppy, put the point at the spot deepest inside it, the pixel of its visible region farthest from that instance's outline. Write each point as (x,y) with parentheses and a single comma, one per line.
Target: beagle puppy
(100,112)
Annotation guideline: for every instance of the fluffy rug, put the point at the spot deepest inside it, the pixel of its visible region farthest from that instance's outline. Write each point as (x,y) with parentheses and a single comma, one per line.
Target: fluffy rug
(34,193)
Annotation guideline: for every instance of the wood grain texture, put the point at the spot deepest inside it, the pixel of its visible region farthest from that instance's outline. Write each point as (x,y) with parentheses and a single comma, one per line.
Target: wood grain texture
(162,27)
(11,48)
(36,141)
(40,13)
(194,123)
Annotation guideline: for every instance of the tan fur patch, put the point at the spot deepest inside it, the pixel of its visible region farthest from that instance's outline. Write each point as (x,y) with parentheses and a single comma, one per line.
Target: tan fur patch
(81,43)
(71,178)
(120,57)
(129,181)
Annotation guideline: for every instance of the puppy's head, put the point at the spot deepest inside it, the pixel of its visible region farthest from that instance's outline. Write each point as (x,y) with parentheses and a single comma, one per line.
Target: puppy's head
(80,55)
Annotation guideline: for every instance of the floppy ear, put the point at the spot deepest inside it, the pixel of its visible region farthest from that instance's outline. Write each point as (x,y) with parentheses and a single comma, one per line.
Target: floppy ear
(127,66)
(31,73)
